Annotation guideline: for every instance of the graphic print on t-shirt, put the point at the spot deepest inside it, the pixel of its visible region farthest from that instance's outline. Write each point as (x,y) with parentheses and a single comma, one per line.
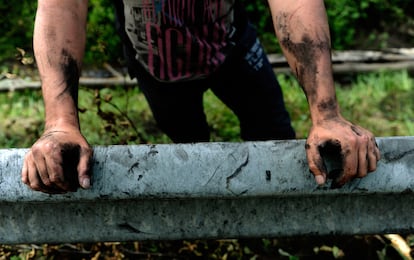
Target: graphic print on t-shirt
(179,39)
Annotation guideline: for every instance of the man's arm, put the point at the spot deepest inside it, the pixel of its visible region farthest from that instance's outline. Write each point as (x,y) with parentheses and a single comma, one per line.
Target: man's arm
(303,32)
(59,42)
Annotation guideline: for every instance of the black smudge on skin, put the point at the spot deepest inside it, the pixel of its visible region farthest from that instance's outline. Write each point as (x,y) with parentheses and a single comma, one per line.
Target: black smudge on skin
(71,73)
(70,153)
(355,130)
(306,52)
(328,107)
(333,157)
(305,56)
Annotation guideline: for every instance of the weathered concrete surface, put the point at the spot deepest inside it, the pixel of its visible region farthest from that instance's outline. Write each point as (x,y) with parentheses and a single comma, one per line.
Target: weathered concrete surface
(208,190)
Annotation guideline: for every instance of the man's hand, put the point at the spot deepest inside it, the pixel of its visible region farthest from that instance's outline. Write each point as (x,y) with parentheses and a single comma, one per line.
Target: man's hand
(356,147)
(58,162)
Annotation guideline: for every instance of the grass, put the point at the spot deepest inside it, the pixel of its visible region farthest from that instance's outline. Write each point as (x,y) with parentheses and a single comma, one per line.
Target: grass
(381,102)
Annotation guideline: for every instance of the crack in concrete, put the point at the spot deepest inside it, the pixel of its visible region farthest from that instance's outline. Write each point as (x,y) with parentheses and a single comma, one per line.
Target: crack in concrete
(236,172)
(130,228)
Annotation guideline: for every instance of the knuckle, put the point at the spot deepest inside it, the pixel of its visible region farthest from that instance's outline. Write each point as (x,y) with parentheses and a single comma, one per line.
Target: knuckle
(34,151)
(362,174)
(313,168)
(372,168)
(25,180)
(43,148)
(49,147)
(353,141)
(82,168)
(47,182)
(54,179)
(35,186)
(365,138)
(28,156)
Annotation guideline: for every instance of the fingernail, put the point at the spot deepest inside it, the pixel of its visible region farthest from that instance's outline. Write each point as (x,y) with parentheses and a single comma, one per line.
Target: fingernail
(86,183)
(319,179)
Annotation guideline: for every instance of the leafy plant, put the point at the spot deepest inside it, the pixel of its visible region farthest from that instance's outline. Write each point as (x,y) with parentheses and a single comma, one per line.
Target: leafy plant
(354,24)
(103,44)
(369,23)
(16,27)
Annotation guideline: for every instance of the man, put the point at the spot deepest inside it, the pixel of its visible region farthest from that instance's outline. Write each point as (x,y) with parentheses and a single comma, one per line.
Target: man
(178,49)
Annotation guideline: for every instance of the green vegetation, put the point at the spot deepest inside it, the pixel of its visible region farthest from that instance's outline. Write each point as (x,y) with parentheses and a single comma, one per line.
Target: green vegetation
(16,27)
(354,24)
(370,24)
(381,102)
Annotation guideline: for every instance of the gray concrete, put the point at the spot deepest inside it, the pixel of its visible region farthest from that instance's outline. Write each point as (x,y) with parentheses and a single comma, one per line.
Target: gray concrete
(209,190)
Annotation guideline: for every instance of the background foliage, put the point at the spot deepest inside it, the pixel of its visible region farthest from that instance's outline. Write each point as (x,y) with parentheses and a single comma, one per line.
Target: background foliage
(352,26)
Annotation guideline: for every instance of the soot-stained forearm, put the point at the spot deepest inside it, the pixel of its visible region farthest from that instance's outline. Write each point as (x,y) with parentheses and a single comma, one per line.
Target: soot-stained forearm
(306,53)
(71,73)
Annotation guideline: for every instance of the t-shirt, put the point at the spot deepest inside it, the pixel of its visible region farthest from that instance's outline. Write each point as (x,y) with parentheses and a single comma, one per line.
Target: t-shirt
(180,39)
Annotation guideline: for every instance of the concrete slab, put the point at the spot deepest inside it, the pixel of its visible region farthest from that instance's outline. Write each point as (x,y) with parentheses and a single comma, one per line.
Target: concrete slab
(208,190)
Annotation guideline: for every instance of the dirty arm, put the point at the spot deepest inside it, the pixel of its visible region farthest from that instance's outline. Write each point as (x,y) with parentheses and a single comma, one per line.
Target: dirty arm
(59,40)
(303,32)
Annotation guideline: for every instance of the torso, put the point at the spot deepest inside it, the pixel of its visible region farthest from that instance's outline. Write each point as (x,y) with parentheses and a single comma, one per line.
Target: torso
(180,39)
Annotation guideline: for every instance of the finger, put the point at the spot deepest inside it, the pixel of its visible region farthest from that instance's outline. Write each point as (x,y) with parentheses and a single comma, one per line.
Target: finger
(373,155)
(31,177)
(24,172)
(84,167)
(316,165)
(38,167)
(38,183)
(377,151)
(363,160)
(34,180)
(56,176)
(349,166)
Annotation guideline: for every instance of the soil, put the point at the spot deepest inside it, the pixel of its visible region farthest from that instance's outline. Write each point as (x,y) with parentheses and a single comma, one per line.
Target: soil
(329,247)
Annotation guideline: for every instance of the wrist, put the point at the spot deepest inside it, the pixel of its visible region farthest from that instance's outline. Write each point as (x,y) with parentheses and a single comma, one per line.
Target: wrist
(324,109)
(69,121)
(60,111)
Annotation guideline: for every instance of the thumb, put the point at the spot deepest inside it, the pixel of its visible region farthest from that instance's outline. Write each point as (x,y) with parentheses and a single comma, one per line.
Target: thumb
(84,168)
(316,164)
